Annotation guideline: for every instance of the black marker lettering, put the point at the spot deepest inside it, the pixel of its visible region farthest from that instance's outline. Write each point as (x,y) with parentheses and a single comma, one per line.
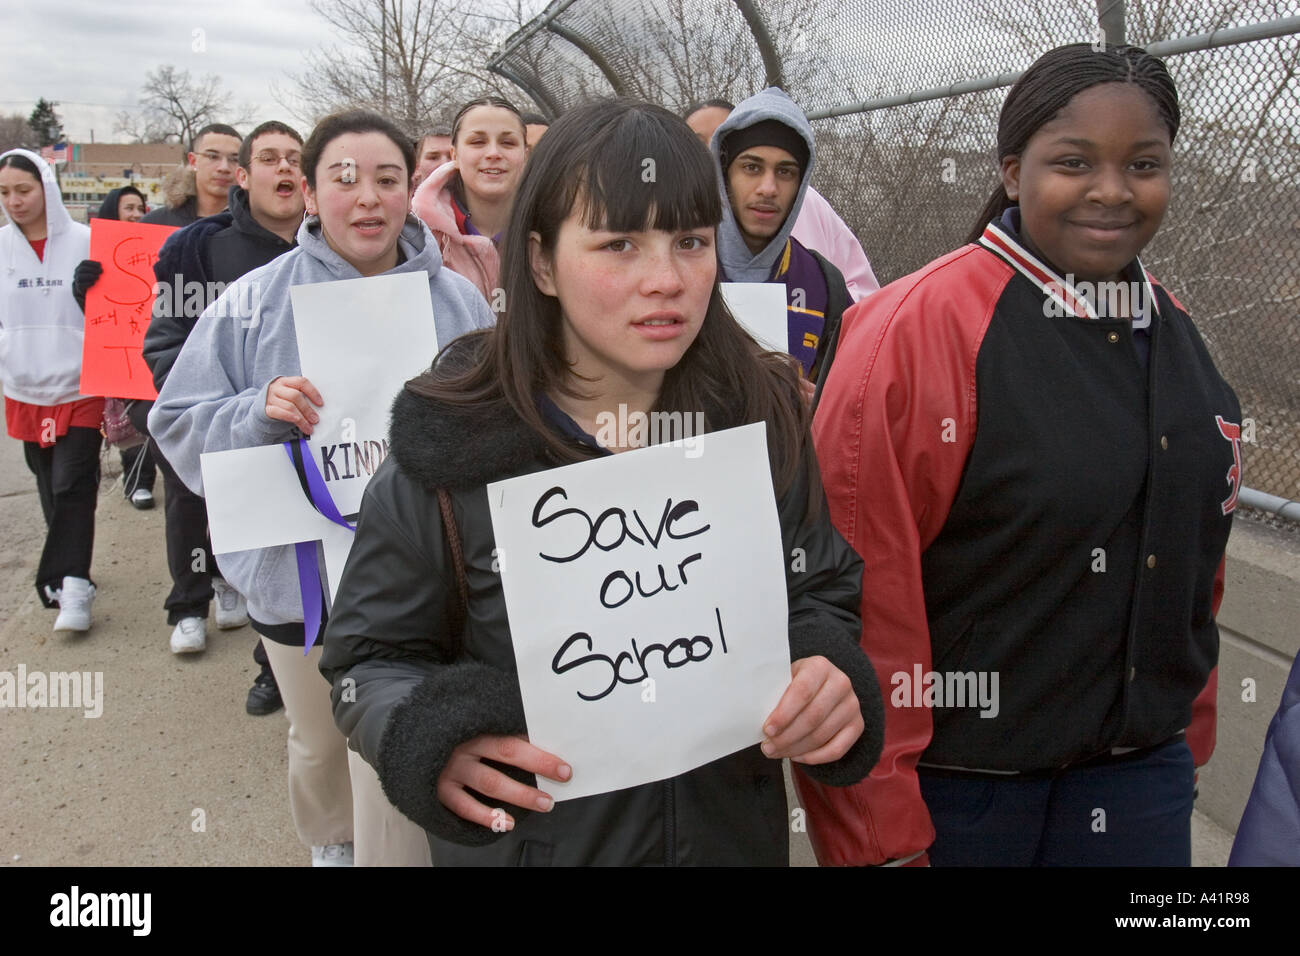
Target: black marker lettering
(663,584)
(696,648)
(604,589)
(559,668)
(539,522)
(622,533)
(663,518)
(682,509)
(327,461)
(681,567)
(639,658)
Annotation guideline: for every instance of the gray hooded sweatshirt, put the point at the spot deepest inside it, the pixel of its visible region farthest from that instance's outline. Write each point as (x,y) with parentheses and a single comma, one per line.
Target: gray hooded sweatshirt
(739,264)
(214,399)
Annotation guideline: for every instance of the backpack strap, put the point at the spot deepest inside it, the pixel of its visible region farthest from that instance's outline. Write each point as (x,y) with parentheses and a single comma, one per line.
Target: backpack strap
(460,601)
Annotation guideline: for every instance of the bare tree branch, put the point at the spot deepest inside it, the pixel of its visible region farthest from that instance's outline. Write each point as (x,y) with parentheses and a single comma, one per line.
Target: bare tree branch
(174,106)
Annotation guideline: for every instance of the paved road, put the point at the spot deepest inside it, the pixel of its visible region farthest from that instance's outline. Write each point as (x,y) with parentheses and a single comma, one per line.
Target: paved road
(125,788)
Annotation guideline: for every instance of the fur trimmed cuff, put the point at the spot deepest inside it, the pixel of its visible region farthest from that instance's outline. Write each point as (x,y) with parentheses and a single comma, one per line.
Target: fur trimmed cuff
(811,639)
(459,703)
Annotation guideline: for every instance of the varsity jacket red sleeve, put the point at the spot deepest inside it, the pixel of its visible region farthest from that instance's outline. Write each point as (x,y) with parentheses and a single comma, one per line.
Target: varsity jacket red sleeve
(893,431)
(1202,732)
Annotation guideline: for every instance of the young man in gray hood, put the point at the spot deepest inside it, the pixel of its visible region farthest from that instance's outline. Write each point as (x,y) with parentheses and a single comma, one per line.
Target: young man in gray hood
(765,153)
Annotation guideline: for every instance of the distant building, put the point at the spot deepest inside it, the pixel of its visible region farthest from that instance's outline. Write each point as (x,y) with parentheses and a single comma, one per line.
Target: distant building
(95,169)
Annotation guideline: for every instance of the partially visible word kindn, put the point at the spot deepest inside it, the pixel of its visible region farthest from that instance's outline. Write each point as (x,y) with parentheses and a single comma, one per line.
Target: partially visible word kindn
(80,689)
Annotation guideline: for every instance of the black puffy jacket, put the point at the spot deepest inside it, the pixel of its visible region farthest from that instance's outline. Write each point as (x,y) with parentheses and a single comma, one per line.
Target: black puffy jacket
(417,695)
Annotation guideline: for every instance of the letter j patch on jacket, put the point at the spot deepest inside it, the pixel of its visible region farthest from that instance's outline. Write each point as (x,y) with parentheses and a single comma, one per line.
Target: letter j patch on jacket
(1232,432)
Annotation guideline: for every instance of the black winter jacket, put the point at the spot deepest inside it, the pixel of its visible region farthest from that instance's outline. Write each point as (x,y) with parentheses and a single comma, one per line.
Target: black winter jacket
(406,695)
(182,215)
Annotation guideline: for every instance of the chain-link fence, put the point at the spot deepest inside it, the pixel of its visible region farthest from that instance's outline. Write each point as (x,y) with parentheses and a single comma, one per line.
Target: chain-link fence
(910,177)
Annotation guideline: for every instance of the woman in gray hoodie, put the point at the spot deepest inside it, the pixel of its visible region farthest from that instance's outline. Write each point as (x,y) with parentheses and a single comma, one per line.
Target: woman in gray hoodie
(237,384)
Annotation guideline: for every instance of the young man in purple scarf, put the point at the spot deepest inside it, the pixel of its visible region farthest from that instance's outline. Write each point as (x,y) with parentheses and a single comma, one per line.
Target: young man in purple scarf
(765,155)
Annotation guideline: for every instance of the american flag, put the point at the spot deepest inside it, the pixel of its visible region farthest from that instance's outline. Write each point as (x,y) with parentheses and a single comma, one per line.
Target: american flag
(61,152)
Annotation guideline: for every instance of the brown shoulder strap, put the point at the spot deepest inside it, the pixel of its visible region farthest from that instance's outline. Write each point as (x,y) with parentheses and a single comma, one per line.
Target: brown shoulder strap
(460,603)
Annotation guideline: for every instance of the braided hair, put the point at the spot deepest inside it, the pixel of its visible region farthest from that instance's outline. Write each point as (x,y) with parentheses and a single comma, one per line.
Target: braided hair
(1053,80)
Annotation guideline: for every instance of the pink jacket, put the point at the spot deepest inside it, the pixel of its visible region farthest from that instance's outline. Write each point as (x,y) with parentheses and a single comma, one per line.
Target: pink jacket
(819,227)
(474,257)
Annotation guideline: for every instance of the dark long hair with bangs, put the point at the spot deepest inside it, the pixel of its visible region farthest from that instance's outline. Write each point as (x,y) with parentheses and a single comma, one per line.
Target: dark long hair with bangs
(627,166)
(1053,80)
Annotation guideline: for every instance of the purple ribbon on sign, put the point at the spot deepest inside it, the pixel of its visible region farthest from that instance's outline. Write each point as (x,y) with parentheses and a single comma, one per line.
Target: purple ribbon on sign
(309,581)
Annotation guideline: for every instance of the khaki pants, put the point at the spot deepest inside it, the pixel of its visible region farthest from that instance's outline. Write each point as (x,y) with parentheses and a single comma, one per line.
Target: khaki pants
(320,791)
(384,836)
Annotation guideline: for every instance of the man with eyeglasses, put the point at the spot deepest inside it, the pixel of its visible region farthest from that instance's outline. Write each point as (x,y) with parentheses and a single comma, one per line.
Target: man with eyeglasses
(213,159)
(265,209)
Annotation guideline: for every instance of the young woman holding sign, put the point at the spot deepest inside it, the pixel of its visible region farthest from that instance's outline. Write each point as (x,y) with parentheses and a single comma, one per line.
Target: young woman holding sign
(611,286)
(41,330)
(237,383)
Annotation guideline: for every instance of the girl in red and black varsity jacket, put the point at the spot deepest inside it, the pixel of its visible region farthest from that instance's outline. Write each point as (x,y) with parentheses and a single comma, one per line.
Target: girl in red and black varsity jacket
(1033,452)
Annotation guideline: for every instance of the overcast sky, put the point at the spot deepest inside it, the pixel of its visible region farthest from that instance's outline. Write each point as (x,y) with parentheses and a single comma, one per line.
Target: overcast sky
(91,55)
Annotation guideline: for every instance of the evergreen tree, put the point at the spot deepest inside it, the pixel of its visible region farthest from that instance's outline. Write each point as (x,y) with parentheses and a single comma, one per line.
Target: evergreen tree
(45,123)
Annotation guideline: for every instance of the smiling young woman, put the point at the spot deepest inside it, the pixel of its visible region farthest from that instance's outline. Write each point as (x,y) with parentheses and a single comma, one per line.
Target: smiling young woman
(359,189)
(235,389)
(1040,474)
(466,202)
(612,293)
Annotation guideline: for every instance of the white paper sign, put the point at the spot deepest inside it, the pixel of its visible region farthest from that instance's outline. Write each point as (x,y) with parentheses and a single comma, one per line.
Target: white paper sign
(760,308)
(646,596)
(359,341)
(271,510)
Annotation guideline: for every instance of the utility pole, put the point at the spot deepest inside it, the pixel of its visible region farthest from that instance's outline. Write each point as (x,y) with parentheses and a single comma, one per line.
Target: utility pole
(1110,21)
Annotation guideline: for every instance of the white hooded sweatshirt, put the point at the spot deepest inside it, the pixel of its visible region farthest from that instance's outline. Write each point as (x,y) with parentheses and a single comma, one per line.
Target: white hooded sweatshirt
(41,327)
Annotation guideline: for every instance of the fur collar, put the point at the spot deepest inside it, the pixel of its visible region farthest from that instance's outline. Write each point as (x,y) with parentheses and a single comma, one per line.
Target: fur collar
(440,445)
(459,446)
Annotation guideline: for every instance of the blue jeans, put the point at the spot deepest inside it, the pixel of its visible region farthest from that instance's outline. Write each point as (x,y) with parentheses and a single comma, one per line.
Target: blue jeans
(1130,811)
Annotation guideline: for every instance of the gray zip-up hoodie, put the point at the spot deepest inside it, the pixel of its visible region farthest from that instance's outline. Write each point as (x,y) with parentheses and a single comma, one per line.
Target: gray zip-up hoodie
(738,262)
(214,399)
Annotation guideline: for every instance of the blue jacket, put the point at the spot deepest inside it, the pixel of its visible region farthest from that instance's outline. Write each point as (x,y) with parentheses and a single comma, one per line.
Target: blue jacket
(1269,833)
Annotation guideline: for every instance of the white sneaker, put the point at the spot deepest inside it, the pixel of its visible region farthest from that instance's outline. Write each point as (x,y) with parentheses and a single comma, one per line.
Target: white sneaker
(336,854)
(74,605)
(232,610)
(142,498)
(190,635)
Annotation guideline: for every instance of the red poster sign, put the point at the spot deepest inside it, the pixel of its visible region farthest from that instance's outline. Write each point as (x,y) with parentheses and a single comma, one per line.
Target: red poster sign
(118,308)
